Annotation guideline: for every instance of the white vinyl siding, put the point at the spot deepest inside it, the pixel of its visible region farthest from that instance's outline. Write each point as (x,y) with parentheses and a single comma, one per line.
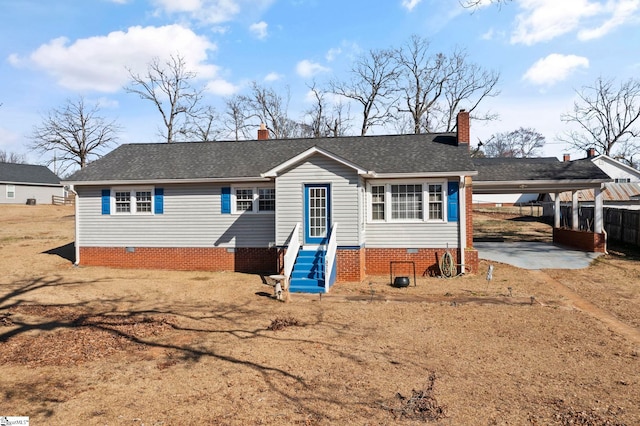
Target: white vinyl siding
(192,218)
(344,186)
(412,234)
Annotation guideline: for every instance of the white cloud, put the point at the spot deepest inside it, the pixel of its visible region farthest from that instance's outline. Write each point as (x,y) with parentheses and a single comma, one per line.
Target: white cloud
(221,87)
(333,53)
(100,63)
(306,68)
(620,11)
(272,76)
(213,11)
(259,29)
(554,68)
(544,20)
(345,48)
(410,4)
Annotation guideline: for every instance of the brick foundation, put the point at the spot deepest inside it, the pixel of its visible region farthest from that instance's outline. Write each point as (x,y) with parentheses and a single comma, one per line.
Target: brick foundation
(350,265)
(580,240)
(353,265)
(426,260)
(248,260)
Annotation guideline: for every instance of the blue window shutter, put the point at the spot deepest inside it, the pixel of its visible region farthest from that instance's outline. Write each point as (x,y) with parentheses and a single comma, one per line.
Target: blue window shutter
(452,202)
(106,201)
(226,200)
(158,202)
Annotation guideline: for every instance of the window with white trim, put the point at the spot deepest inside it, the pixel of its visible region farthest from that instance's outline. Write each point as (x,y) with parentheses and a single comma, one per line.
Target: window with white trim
(622,180)
(266,199)
(257,199)
(132,200)
(436,201)
(11,191)
(407,201)
(377,202)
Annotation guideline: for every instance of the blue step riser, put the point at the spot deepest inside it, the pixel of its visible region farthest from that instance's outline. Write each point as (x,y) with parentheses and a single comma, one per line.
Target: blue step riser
(308,272)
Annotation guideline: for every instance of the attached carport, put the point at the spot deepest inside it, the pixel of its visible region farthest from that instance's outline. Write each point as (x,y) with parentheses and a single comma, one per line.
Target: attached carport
(549,176)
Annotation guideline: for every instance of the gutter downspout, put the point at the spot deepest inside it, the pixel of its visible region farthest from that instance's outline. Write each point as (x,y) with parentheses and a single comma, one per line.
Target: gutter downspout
(462,206)
(77,227)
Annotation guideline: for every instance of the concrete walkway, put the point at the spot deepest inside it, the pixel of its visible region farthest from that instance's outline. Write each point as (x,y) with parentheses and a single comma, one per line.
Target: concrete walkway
(534,255)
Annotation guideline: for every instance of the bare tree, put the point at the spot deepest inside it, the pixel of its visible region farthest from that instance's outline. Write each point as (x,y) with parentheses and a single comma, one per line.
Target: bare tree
(168,86)
(423,78)
(11,157)
(608,119)
(326,120)
(202,125)
(270,108)
(520,143)
(471,4)
(467,86)
(235,118)
(373,85)
(74,133)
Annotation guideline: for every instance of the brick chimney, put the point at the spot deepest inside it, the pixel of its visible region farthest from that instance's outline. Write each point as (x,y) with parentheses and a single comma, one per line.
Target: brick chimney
(591,152)
(464,131)
(263,133)
(566,157)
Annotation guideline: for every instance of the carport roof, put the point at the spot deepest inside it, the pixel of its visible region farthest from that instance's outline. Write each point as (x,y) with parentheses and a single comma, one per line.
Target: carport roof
(547,174)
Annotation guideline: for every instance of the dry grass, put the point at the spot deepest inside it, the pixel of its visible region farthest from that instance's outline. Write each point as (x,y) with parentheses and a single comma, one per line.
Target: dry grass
(85,346)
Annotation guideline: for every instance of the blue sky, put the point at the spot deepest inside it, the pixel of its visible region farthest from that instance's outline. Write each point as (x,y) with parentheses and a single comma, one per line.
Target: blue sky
(543,49)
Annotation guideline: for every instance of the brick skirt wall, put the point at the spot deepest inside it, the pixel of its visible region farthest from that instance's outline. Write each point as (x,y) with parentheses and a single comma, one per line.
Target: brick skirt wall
(353,265)
(581,240)
(248,260)
(427,261)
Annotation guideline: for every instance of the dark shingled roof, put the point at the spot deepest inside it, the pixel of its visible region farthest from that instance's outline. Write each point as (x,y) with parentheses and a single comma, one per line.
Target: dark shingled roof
(547,168)
(425,153)
(27,174)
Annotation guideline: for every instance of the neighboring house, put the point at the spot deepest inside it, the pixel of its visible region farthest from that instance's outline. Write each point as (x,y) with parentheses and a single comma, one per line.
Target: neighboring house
(622,193)
(22,183)
(351,205)
(619,172)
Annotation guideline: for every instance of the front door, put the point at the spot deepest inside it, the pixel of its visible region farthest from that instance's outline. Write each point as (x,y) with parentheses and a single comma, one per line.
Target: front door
(317,213)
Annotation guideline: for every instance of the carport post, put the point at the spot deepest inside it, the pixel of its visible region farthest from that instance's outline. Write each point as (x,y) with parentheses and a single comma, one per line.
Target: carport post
(575,221)
(597,225)
(556,211)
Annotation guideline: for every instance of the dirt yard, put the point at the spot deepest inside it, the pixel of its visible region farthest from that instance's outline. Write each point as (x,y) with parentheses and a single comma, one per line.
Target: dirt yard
(99,346)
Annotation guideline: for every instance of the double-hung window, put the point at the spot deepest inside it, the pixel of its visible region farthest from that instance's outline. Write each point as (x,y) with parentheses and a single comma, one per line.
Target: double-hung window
(436,202)
(254,199)
(407,201)
(11,191)
(132,200)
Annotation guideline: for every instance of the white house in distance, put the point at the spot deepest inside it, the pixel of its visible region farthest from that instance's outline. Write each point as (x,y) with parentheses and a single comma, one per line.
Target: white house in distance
(622,193)
(28,183)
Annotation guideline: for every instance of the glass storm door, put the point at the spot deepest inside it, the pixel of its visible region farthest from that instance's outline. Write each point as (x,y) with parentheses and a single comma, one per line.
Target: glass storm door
(317,213)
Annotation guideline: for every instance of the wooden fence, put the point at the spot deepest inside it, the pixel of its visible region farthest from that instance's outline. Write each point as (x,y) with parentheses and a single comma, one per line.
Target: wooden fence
(63,201)
(621,225)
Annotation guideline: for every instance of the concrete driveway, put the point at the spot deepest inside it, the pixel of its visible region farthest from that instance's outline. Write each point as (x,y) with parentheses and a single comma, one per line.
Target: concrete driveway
(534,255)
